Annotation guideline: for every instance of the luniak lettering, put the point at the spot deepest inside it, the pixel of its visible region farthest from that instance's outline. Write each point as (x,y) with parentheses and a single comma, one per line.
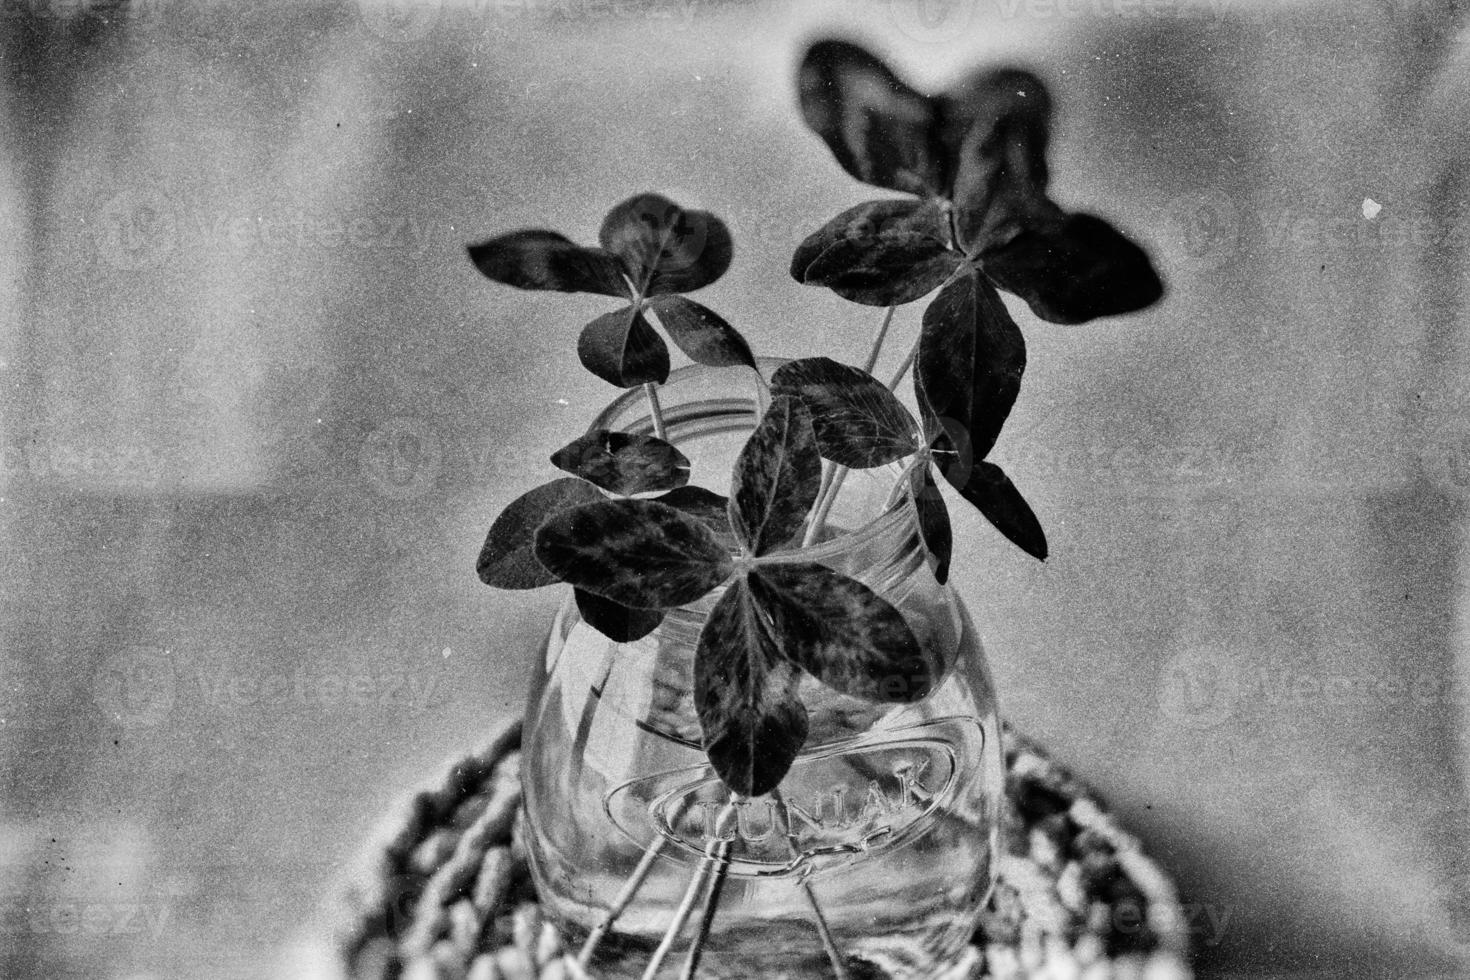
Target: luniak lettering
(842,808)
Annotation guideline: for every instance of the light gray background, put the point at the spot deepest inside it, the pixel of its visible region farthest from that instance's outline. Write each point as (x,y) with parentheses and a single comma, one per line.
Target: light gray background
(258,411)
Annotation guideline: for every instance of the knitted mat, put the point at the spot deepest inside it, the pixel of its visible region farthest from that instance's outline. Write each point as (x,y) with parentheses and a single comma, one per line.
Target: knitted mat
(450,897)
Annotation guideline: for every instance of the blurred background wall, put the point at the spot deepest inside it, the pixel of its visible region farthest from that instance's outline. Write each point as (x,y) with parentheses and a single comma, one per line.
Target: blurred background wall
(257,410)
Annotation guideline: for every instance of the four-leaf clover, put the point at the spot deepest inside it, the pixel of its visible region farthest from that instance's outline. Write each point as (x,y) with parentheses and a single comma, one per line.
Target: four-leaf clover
(974,157)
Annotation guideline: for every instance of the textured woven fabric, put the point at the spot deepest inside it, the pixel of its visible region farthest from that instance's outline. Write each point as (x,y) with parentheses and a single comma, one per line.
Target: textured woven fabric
(450,895)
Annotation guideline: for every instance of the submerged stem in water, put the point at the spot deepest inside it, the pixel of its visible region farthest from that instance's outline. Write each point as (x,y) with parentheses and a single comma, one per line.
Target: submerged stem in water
(655,411)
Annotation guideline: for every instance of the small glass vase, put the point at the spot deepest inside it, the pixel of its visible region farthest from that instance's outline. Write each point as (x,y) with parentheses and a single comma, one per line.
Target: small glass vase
(875,855)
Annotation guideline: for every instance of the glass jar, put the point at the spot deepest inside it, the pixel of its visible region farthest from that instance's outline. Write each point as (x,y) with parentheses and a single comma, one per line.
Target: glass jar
(875,855)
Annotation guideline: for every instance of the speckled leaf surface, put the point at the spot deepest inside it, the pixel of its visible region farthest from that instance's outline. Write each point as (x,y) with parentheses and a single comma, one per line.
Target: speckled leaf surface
(995,129)
(623,463)
(538,259)
(969,367)
(880,130)
(702,333)
(843,633)
(638,553)
(622,349)
(856,419)
(745,693)
(932,514)
(709,508)
(508,558)
(880,253)
(665,248)
(996,497)
(1075,268)
(617,622)
(776,478)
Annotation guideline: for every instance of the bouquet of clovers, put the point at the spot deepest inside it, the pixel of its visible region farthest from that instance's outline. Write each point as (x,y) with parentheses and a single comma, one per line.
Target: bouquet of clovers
(634,540)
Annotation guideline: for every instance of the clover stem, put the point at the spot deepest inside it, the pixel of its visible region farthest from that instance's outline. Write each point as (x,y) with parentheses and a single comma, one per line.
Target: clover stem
(903,368)
(707,915)
(908,472)
(877,345)
(825,499)
(626,894)
(834,956)
(620,903)
(714,863)
(650,390)
(762,394)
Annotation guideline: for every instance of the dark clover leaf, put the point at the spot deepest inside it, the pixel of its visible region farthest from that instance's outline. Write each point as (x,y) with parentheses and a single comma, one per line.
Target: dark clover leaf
(981,147)
(702,333)
(1075,268)
(508,559)
(623,350)
(843,633)
(709,508)
(880,130)
(882,253)
(857,421)
(665,248)
(996,129)
(622,463)
(996,497)
(619,623)
(745,693)
(776,478)
(932,515)
(539,259)
(1009,99)
(637,553)
(969,366)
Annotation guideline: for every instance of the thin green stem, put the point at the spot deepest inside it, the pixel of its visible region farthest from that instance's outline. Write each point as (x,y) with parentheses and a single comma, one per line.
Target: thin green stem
(921,459)
(762,394)
(621,902)
(824,932)
(814,527)
(713,863)
(650,391)
(823,508)
(903,368)
(876,347)
(707,914)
